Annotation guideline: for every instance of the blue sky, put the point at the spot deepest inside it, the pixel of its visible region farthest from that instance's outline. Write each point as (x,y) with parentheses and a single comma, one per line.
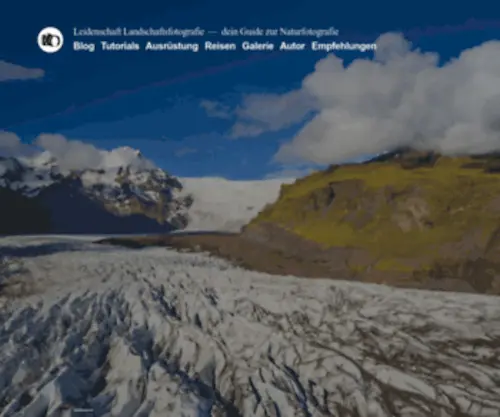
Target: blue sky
(178,108)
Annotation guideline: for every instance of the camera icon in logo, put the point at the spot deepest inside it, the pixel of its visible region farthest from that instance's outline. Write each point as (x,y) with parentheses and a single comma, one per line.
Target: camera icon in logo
(50,40)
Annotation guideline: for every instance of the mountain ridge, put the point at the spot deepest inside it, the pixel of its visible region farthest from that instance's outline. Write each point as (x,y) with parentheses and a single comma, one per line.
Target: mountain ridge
(124,194)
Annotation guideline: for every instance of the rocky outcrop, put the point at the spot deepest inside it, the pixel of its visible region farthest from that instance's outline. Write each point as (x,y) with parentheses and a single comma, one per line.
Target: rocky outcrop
(409,218)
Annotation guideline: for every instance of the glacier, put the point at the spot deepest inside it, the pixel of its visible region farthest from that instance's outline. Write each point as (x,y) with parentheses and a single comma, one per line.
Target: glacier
(95,330)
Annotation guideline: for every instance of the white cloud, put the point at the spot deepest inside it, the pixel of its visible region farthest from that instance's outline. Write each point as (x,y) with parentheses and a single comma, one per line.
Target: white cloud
(216,109)
(247,130)
(72,154)
(261,113)
(77,155)
(11,72)
(11,145)
(401,97)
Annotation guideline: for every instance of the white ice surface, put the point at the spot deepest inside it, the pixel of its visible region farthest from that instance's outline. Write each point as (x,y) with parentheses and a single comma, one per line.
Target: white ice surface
(155,333)
(226,205)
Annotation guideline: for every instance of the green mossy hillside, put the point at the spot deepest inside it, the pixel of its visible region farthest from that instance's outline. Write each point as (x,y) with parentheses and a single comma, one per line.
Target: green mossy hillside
(395,211)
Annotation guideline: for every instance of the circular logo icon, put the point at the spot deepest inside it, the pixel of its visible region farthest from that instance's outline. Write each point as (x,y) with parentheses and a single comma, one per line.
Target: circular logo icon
(50,40)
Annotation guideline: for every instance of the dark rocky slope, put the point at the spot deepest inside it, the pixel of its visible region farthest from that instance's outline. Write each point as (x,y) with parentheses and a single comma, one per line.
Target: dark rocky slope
(21,215)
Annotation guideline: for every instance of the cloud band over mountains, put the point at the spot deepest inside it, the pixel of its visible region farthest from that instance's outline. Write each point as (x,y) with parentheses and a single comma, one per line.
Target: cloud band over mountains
(72,155)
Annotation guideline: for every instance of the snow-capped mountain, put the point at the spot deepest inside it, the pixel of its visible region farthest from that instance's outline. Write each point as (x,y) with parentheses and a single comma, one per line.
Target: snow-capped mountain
(25,176)
(120,191)
(124,192)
